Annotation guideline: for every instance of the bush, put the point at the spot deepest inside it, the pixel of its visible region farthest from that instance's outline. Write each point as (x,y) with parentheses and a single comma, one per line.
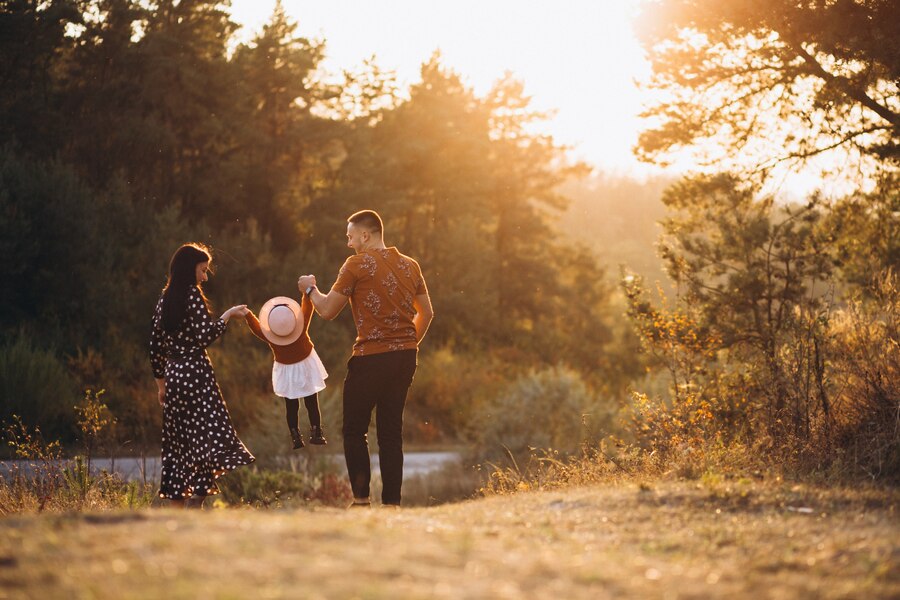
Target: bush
(865,349)
(835,412)
(447,392)
(35,385)
(550,408)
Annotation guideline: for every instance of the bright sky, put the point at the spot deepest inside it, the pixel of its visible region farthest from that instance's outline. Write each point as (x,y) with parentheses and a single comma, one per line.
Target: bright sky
(578,57)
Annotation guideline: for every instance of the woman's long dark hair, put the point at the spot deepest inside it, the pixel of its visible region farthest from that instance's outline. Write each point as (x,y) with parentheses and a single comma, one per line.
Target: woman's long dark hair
(182,275)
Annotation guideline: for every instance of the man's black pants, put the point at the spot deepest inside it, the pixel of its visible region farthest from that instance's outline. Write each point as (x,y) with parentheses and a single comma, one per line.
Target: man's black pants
(380,382)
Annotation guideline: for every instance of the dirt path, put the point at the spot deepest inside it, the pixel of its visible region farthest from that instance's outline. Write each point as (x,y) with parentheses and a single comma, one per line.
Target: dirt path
(672,540)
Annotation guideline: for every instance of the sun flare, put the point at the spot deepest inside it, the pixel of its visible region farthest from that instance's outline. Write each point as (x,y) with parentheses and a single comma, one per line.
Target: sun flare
(579,59)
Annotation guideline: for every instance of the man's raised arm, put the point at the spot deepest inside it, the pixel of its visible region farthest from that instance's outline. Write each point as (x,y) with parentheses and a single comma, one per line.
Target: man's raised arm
(328,306)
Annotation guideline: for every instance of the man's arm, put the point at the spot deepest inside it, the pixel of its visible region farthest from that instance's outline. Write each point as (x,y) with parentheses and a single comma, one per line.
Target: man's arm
(328,306)
(424,315)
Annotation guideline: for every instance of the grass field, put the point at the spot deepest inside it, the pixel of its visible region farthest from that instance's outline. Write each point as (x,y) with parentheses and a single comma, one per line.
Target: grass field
(659,540)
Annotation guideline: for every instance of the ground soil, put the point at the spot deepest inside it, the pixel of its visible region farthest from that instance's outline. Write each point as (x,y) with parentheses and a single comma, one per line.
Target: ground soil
(620,540)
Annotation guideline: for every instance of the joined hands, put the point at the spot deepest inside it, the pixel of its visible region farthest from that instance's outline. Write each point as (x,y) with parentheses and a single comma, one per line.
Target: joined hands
(306,281)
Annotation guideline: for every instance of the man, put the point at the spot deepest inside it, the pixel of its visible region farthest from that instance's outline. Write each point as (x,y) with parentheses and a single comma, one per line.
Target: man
(392,312)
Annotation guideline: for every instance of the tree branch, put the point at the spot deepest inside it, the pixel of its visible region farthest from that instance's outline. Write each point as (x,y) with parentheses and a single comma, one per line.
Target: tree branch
(809,154)
(844,85)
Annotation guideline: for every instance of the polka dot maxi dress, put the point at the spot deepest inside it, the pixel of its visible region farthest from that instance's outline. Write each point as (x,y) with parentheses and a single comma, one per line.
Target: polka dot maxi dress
(199,442)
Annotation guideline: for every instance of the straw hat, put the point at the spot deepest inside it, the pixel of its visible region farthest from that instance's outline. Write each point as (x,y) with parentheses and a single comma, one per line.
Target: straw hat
(281,320)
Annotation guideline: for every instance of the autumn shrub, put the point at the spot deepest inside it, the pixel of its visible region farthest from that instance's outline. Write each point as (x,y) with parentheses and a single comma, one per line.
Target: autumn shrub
(824,402)
(865,362)
(748,339)
(694,407)
(603,462)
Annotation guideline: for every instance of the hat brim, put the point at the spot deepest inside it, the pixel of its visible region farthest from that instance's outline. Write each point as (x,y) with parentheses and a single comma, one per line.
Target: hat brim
(271,336)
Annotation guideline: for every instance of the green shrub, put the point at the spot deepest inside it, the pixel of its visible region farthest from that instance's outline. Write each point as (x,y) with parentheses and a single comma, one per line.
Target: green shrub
(550,408)
(35,385)
(447,392)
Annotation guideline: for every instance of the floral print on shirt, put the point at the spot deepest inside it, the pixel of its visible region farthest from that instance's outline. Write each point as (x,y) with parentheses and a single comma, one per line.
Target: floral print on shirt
(382,286)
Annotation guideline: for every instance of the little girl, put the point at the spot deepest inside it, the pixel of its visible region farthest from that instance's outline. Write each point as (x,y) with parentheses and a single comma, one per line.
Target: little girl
(297,371)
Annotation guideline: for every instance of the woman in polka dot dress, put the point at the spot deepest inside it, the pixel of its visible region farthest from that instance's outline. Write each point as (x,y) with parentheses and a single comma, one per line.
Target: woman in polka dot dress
(198,440)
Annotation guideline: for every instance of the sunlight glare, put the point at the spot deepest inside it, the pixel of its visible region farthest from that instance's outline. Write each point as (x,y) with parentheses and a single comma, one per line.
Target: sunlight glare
(577,58)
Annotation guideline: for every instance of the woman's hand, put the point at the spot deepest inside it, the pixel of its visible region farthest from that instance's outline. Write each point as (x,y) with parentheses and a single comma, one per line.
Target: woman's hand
(240,310)
(161,391)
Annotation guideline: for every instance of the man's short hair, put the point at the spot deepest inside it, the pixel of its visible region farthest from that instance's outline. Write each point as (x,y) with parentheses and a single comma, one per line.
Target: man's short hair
(367,219)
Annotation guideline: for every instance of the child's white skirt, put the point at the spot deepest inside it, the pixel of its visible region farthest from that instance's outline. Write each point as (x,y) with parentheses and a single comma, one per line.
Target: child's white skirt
(299,379)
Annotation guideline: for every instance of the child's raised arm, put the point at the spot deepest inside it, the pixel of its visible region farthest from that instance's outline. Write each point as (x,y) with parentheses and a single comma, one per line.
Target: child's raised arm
(253,323)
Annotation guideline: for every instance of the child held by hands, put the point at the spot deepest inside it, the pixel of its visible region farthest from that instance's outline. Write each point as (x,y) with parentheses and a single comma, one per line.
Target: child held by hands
(297,371)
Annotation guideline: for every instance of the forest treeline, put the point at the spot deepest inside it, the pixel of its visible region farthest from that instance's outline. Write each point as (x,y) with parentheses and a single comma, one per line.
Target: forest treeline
(128,128)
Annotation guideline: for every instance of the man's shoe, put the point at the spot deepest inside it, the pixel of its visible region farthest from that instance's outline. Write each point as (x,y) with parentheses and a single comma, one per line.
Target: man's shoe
(316,436)
(360,503)
(297,439)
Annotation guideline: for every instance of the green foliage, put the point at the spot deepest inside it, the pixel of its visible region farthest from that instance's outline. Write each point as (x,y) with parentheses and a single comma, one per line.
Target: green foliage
(45,219)
(866,231)
(450,387)
(757,277)
(548,409)
(31,36)
(762,344)
(76,480)
(35,386)
(155,130)
(94,420)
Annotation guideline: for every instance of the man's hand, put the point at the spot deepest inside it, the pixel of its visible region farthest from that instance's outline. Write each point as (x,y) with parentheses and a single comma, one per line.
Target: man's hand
(328,306)
(306,281)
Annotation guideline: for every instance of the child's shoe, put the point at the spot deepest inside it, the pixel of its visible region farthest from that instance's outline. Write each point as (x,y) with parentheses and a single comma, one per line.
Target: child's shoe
(316,436)
(297,439)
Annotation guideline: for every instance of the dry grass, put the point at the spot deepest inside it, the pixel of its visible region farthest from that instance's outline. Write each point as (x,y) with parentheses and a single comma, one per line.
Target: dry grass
(662,540)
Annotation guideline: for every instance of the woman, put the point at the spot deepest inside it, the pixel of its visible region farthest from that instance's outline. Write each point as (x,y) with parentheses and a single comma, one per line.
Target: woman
(198,440)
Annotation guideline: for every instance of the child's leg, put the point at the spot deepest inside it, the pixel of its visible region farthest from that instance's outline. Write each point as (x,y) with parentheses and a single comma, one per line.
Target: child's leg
(316,436)
(292,412)
(312,409)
